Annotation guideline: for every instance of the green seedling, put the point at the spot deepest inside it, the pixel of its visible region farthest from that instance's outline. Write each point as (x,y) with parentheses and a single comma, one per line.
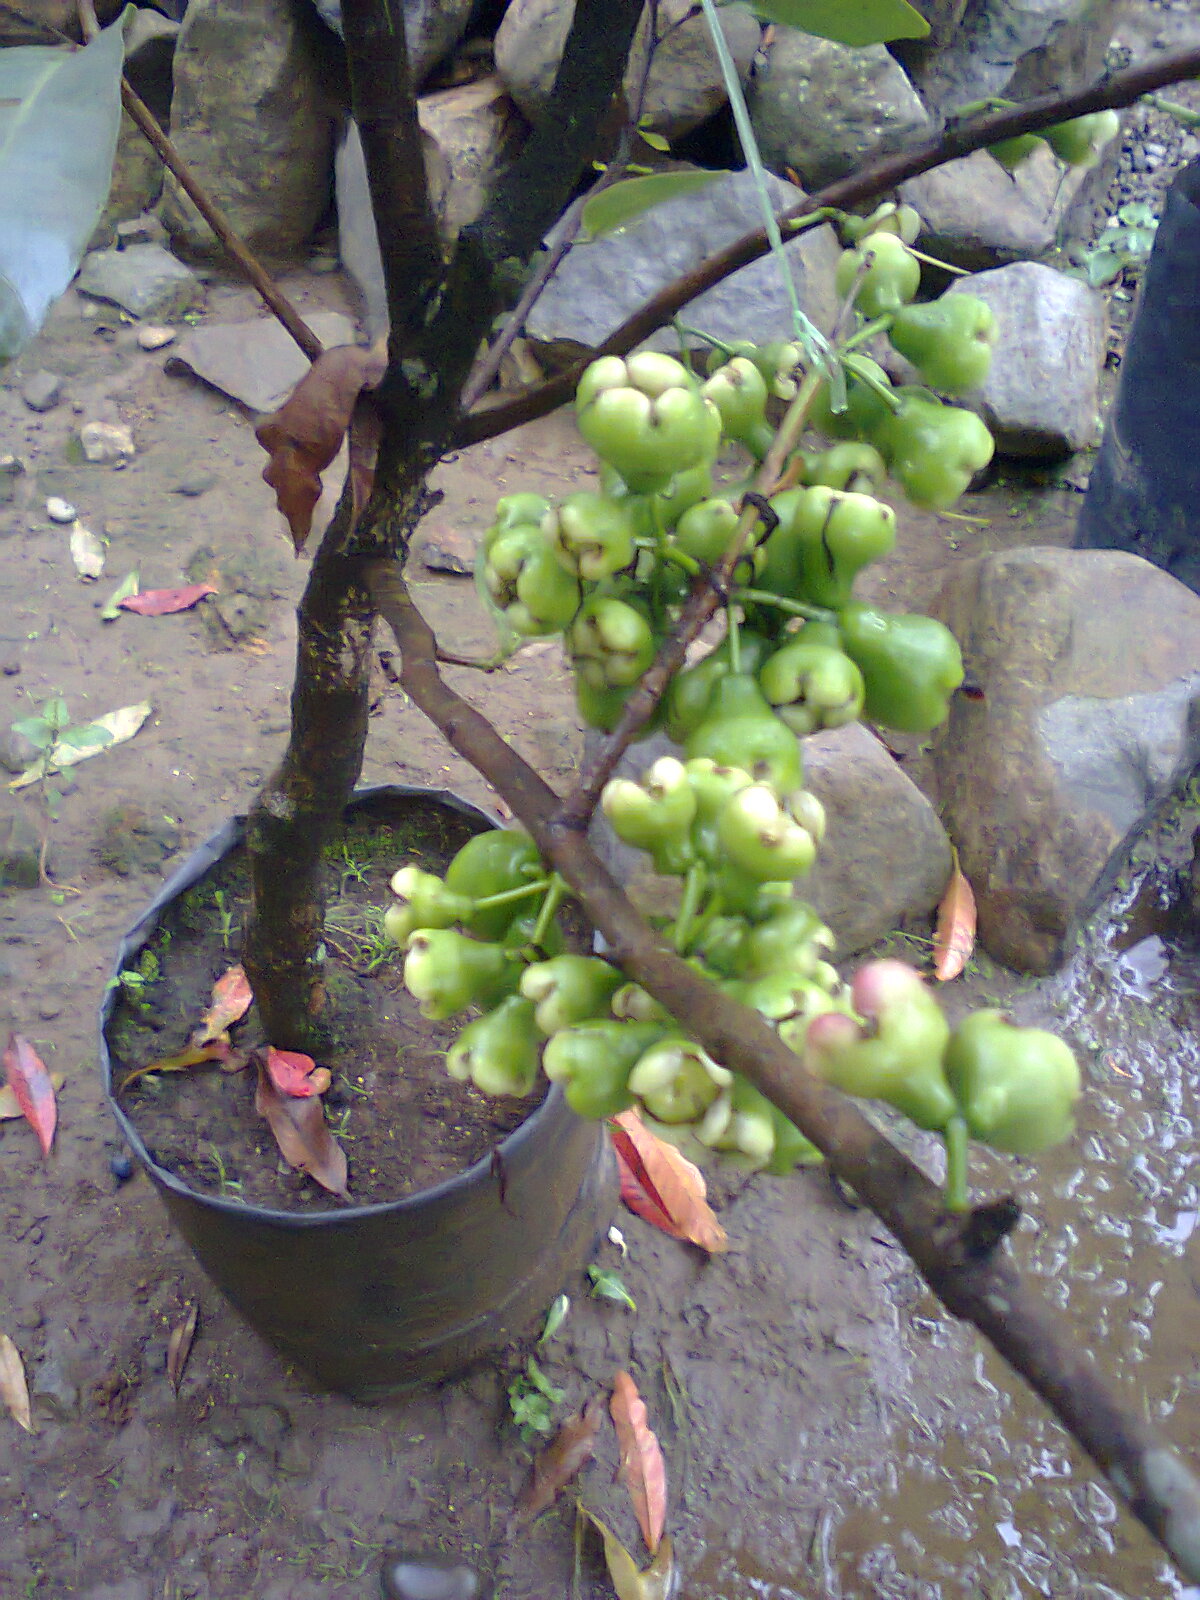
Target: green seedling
(531,1401)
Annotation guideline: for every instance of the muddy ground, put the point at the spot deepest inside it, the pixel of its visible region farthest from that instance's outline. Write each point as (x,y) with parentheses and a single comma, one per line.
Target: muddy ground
(828,1431)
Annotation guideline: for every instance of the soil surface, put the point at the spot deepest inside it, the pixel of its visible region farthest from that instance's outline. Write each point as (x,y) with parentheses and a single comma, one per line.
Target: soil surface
(828,1430)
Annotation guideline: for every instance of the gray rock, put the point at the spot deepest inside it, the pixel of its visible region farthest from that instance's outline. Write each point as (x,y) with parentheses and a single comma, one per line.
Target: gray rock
(478,133)
(52,1390)
(996,37)
(684,87)
(105,443)
(822,109)
(194,483)
(16,751)
(885,858)
(250,119)
(431,29)
(1042,395)
(256,362)
(20,840)
(601,284)
(41,391)
(976,215)
(143,229)
(146,280)
(1089,663)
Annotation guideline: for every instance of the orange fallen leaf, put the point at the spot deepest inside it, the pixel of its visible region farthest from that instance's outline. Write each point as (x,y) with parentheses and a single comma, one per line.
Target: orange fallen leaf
(13,1389)
(306,433)
(179,1345)
(302,1134)
(954,934)
(191,1055)
(165,602)
(553,1468)
(10,1106)
(295,1074)
(30,1082)
(642,1471)
(231,998)
(672,1186)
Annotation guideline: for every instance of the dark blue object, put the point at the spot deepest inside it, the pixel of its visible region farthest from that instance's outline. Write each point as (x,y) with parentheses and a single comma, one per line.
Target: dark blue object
(121,1167)
(1144,494)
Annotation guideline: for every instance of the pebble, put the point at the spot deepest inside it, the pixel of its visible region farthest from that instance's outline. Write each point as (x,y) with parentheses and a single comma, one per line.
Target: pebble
(193,484)
(429,1577)
(121,1167)
(155,338)
(60,510)
(106,443)
(42,391)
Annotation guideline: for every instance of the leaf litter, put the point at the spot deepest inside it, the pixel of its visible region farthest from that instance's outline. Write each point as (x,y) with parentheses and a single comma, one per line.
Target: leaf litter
(31,1086)
(659,1184)
(179,1345)
(659,1581)
(553,1468)
(643,1470)
(954,932)
(14,1391)
(231,999)
(302,1134)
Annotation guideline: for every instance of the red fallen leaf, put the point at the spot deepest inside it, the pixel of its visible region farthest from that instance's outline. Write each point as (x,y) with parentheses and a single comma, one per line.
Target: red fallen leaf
(179,1345)
(190,1056)
(306,433)
(553,1468)
(302,1134)
(231,997)
(30,1082)
(163,602)
(954,935)
(642,1471)
(670,1186)
(296,1074)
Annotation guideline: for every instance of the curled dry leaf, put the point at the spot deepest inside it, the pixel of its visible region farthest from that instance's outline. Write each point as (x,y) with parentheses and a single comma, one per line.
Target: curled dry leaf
(954,935)
(658,1582)
(191,1055)
(231,998)
(663,1186)
(306,433)
(30,1083)
(302,1134)
(163,602)
(643,1471)
(553,1468)
(13,1389)
(179,1345)
(295,1074)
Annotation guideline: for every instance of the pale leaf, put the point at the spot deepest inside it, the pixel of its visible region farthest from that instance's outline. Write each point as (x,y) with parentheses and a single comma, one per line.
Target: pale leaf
(112,728)
(553,1468)
(231,998)
(657,1582)
(674,1185)
(87,551)
(954,935)
(179,1346)
(302,1135)
(13,1389)
(643,1470)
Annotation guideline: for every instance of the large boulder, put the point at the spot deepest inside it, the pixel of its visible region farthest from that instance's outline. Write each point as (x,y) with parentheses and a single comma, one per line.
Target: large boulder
(1088,664)
(250,119)
(603,282)
(1018,49)
(822,109)
(431,29)
(684,87)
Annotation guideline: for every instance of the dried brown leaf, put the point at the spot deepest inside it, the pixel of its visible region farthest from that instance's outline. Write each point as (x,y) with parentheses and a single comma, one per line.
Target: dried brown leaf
(954,935)
(553,1468)
(673,1184)
(231,998)
(306,433)
(179,1345)
(643,1470)
(13,1389)
(192,1055)
(30,1082)
(302,1134)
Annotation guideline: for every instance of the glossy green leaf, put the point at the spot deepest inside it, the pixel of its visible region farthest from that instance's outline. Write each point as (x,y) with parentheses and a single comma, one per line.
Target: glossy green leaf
(626,201)
(854,22)
(555,1317)
(60,112)
(608,1285)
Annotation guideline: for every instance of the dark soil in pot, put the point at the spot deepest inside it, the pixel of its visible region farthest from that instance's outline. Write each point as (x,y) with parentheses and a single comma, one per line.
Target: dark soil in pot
(404,1123)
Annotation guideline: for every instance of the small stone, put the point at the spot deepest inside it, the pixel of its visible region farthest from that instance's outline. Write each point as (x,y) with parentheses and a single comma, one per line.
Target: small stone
(42,391)
(323,264)
(20,845)
(194,484)
(429,1577)
(16,751)
(11,466)
(10,666)
(105,443)
(29,1318)
(48,1010)
(121,1167)
(153,337)
(144,279)
(52,1389)
(59,510)
(146,229)
(449,550)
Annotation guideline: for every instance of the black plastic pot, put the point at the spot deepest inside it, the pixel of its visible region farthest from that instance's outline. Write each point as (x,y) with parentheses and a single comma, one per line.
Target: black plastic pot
(1144,492)
(372,1300)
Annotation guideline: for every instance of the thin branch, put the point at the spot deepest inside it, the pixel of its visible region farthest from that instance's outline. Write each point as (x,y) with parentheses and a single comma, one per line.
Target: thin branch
(1118,90)
(982,1287)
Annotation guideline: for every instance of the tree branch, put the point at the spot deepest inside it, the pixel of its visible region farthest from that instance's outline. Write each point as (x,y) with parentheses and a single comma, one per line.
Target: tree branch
(979,1285)
(1118,90)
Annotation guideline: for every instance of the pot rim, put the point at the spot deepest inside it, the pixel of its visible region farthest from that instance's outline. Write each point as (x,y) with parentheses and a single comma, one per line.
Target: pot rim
(202,858)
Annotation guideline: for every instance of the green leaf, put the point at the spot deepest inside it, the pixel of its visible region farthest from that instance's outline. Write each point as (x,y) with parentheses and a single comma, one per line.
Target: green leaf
(37,730)
(658,1580)
(89,736)
(607,1285)
(855,22)
(656,141)
(626,201)
(555,1317)
(60,112)
(542,1383)
(112,609)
